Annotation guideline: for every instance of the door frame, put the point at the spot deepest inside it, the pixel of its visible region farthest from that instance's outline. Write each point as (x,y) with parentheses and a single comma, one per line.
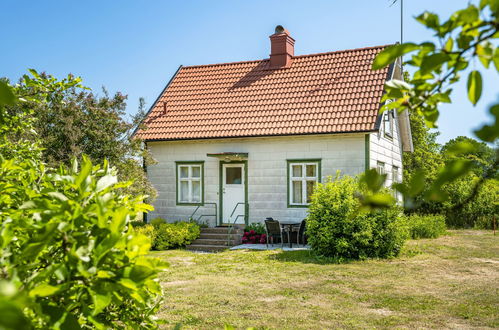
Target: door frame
(220,192)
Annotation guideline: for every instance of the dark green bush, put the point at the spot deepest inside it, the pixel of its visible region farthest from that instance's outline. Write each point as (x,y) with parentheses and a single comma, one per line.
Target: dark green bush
(479,212)
(426,226)
(336,228)
(173,235)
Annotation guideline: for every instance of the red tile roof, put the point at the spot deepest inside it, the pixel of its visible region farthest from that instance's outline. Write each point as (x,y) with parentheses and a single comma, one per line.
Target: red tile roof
(332,92)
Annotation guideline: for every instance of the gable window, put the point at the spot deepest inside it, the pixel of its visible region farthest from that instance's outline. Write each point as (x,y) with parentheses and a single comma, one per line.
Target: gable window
(388,117)
(303,176)
(190,182)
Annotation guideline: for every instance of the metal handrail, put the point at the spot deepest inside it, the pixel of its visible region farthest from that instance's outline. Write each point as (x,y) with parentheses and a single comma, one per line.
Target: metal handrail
(205,215)
(231,225)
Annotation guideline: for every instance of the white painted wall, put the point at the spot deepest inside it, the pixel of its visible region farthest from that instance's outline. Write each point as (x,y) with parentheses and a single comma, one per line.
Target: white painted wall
(267,170)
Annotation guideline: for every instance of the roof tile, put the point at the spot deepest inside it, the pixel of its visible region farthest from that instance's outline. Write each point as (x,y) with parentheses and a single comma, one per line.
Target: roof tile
(320,93)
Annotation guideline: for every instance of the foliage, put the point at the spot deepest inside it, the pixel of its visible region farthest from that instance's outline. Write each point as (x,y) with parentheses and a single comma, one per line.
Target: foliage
(426,226)
(479,153)
(68,257)
(74,121)
(173,235)
(480,211)
(65,235)
(466,36)
(257,227)
(335,228)
(149,231)
(425,159)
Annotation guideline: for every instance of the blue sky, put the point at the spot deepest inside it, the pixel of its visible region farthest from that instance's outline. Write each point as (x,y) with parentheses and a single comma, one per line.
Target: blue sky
(135,46)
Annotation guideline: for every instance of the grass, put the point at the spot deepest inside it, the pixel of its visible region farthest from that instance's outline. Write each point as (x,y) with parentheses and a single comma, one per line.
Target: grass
(448,282)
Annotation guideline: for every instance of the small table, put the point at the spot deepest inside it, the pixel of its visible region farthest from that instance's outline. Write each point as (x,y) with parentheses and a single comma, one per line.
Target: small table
(289,225)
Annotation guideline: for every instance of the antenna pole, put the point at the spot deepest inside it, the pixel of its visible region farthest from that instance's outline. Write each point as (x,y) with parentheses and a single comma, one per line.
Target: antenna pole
(401,21)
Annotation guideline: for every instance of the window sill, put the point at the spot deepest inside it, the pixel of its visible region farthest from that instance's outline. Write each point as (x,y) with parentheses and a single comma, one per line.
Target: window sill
(190,204)
(298,206)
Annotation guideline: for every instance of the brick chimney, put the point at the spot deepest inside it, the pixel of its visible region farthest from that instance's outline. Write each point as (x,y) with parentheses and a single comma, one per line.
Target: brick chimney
(282,48)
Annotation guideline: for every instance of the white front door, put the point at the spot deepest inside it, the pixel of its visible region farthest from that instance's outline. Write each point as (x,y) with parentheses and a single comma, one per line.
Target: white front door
(233,196)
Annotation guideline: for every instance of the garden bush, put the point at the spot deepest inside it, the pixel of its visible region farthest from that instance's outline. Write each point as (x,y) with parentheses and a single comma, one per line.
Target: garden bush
(258,228)
(336,227)
(173,235)
(426,226)
(147,230)
(69,258)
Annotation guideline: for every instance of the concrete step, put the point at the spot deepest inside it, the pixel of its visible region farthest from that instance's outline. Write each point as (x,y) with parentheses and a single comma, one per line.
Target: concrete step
(206,248)
(203,241)
(218,236)
(218,230)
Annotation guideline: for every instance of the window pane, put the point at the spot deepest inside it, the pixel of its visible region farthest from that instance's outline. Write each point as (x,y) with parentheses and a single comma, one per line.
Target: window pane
(297,171)
(184,171)
(297,192)
(196,171)
(196,191)
(184,191)
(311,170)
(310,189)
(233,175)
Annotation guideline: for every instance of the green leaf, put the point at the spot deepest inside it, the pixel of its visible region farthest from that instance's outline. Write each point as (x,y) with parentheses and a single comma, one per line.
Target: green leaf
(390,54)
(7,96)
(449,45)
(459,148)
(428,19)
(433,62)
(373,180)
(101,301)
(12,316)
(474,86)
(489,133)
(58,195)
(106,181)
(495,59)
(43,290)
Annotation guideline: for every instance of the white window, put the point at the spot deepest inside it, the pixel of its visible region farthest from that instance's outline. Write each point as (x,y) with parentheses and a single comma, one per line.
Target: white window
(388,123)
(395,174)
(189,183)
(380,167)
(303,177)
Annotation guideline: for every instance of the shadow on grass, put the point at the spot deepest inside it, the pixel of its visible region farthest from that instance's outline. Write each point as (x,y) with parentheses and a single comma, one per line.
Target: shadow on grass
(307,257)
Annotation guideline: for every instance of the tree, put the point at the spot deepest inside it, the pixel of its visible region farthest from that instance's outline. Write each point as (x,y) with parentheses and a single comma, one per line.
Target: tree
(479,153)
(466,36)
(76,121)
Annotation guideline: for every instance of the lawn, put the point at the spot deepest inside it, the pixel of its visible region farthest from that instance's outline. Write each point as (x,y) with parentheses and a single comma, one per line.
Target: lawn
(447,282)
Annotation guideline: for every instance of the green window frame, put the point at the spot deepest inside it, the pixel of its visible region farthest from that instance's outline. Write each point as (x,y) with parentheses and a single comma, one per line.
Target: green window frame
(189,182)
(303,176)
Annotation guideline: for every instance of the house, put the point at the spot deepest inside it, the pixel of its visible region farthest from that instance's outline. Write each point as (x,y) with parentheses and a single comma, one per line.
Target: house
(240,142)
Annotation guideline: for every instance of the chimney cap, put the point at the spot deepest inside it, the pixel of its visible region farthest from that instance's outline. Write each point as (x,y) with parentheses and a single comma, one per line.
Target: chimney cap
(279,29)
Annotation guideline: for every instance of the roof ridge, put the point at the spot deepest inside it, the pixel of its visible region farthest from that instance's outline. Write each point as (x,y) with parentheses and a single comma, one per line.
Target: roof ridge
(298,56)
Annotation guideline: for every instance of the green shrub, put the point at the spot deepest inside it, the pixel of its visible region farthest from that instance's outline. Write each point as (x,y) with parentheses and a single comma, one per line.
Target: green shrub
(426,226)
(257,227)
(174,235)
(147,230)
(68,254)
(138,223)
(336,228)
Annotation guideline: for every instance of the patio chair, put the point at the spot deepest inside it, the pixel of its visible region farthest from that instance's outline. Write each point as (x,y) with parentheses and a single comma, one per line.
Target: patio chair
(273,230)
(300,232)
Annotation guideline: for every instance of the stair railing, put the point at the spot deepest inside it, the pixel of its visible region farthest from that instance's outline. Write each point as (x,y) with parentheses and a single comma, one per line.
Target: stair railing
(231,225)
(205,215)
